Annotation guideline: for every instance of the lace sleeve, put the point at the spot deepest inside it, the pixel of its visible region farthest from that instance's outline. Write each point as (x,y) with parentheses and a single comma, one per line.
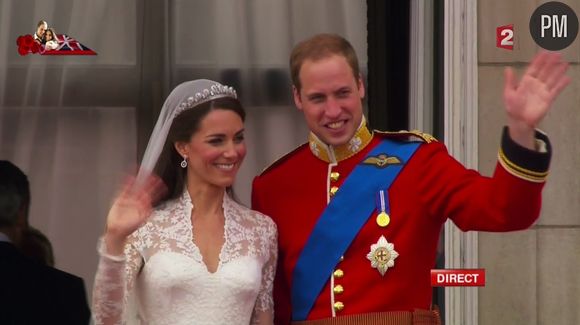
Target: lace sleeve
(114,281)
(264,308)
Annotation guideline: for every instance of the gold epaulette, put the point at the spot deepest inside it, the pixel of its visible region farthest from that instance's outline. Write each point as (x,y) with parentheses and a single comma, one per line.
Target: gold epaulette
(282,158)
(425,137)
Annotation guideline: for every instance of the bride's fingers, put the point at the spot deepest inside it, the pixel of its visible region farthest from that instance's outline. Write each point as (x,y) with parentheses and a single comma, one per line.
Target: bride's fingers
(126,188)
(143,201)
(136,201)
(158,190)
(154,187)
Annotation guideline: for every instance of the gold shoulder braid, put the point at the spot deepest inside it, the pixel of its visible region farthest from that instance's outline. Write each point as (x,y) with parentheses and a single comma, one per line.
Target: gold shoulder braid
(425,137)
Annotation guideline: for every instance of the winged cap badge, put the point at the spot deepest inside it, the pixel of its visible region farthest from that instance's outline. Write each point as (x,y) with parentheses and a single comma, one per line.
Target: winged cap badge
(382,160)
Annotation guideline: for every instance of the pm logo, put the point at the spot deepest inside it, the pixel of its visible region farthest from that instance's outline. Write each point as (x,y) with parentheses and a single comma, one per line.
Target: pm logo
(554,26)
(505,37)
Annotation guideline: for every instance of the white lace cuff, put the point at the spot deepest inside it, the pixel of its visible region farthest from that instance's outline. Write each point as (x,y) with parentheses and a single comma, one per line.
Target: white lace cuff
(102,249)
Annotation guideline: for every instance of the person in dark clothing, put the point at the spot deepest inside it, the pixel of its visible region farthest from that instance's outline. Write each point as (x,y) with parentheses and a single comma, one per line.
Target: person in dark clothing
(32,293)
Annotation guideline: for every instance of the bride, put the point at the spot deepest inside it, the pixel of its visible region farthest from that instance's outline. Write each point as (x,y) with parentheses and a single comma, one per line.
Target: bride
(178,249)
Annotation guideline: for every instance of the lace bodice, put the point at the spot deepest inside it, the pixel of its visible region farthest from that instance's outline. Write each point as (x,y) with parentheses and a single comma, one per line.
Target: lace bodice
(163,280)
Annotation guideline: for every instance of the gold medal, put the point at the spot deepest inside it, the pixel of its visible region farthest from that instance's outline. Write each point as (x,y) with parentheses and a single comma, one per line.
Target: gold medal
(383,219)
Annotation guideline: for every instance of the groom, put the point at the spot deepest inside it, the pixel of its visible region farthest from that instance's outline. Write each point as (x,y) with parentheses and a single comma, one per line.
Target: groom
(359,212)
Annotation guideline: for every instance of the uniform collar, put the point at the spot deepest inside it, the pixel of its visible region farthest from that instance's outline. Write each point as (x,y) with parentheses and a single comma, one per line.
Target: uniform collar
(331,154)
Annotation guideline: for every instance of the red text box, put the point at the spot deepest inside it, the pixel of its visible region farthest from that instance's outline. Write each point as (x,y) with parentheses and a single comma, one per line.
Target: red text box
(504,37)
(458,278)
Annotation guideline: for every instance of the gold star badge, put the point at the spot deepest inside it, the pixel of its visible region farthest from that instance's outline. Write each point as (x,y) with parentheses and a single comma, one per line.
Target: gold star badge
(382,255)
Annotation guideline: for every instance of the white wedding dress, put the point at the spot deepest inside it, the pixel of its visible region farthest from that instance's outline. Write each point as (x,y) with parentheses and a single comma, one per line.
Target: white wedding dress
(163,280)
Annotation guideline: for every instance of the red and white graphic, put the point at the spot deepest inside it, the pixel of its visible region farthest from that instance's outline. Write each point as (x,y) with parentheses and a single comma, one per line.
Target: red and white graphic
(504,37)
(458,278)
(66,46)
(46,41)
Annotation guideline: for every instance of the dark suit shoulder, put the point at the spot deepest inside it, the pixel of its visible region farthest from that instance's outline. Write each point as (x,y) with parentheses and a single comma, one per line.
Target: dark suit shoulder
(70,296)
(55,296)
(62,275)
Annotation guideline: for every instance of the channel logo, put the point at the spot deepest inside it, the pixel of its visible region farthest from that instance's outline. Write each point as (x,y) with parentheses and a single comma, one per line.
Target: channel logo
(553,26)
(505,37)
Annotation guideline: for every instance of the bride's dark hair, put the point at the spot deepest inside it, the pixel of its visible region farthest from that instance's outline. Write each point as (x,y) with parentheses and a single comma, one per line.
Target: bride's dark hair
(182,129)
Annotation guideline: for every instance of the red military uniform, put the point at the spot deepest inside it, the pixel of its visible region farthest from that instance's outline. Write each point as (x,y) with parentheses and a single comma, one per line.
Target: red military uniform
(431,188)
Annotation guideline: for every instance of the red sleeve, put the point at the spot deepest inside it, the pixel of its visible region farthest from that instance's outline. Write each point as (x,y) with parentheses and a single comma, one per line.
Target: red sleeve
(282,303)
(255,200)
(506,201)
(474,202)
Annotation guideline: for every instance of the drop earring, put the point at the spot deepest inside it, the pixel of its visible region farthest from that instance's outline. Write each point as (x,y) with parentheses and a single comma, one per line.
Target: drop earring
(184,162)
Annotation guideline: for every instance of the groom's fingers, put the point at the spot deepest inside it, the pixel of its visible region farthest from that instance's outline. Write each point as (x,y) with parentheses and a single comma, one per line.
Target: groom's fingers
(510,83)
(537,63)
(561,83)
(551,63)
(556,74)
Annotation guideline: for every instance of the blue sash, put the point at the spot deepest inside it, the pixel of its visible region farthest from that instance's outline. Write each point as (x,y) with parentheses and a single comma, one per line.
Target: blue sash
(341,221)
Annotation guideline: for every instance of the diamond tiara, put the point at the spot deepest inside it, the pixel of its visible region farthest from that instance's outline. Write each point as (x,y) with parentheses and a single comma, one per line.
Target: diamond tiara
(214,92)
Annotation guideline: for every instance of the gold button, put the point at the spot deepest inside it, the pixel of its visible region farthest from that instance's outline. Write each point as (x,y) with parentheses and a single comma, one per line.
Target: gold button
(334,176)
(338,289)
(333,190)
(338,306)
(338,273)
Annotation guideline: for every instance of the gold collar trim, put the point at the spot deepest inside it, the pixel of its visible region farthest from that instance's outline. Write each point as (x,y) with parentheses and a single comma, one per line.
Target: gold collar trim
(331,154)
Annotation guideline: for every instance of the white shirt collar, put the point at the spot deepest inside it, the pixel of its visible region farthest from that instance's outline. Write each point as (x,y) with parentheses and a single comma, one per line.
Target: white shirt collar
(4,238)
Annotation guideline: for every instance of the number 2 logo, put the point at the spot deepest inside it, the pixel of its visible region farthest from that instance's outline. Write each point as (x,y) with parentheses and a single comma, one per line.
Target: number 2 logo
(505,37)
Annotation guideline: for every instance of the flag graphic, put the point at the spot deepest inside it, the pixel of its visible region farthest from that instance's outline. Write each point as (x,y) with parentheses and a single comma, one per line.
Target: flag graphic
(69,46)
(66,45)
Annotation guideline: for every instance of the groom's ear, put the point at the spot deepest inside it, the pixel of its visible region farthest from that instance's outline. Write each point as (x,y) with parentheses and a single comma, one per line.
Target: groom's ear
(296,97)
